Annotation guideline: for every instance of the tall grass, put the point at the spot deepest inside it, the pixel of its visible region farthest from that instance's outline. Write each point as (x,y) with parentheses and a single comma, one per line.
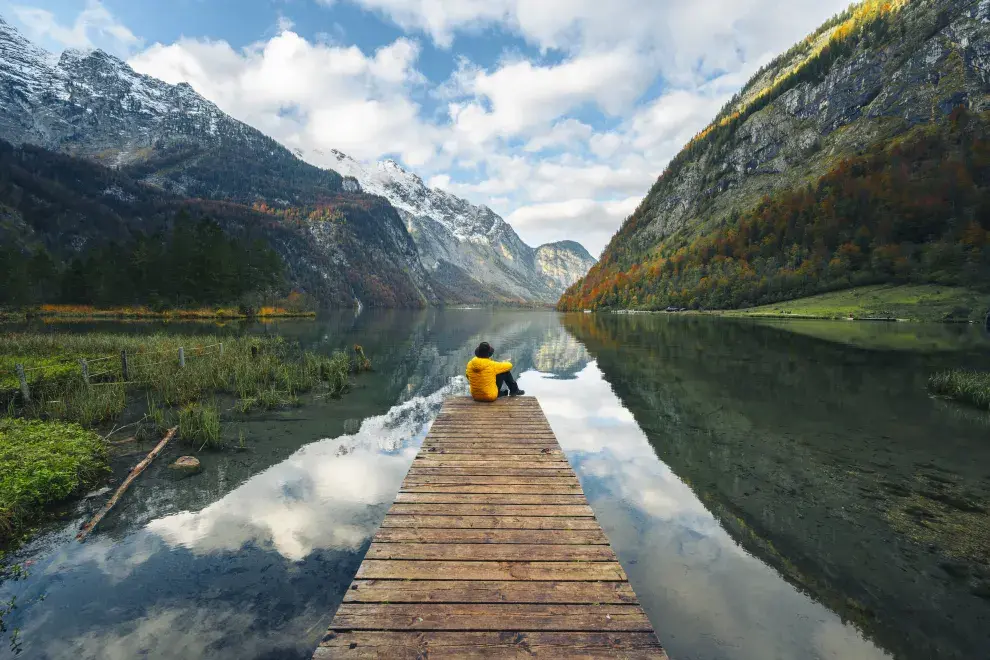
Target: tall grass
(971,387)
(265,372)
(199,424)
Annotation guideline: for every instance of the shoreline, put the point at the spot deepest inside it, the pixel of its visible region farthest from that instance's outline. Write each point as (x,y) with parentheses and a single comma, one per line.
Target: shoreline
(58,313)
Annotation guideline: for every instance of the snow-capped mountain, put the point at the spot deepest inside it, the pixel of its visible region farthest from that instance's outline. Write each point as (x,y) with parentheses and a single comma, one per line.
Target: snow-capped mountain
(168,146)
(467,246)
(431,247)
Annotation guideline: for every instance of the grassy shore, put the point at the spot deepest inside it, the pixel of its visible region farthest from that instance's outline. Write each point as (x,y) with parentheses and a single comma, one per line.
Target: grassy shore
(77,312)
(42,463)
(49,447)
(911,302)
(972,387)
(259,371)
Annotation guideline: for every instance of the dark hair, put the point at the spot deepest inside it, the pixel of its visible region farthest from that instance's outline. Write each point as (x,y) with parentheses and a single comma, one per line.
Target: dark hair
(484,350)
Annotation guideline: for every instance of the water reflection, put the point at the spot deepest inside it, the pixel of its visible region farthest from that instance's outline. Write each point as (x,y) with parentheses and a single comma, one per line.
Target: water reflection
(830,464)
(734,541)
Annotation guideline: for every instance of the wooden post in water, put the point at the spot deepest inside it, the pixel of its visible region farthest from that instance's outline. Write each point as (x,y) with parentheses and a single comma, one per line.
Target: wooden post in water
(182,357)
(125,372)
(25,390)
(85,371)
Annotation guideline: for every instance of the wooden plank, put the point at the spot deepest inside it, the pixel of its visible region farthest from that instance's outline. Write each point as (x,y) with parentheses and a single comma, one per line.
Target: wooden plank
(489,591)
(523,536)
(530,463)
(495,489)
(563,480)
(489,522)
(490,552)
(559,510)
(406,569)
(483,454)
(489,471)
(489,616)
(360,645)
(488,498)
(487,450)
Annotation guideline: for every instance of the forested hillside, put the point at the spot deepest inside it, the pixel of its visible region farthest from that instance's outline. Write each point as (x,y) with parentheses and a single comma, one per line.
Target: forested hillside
(916,209)
(859,156)
(89,219)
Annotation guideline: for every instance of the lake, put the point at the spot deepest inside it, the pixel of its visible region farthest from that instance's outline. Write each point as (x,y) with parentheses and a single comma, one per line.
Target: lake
(772,489)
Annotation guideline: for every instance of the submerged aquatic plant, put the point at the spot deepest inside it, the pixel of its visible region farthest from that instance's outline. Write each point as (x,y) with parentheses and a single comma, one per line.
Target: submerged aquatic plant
(964,385)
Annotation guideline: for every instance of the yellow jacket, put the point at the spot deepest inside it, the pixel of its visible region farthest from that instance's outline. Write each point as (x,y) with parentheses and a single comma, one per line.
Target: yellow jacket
(481,374)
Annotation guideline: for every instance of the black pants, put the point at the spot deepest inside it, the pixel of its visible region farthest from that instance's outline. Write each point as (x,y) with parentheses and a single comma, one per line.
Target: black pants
(506,379)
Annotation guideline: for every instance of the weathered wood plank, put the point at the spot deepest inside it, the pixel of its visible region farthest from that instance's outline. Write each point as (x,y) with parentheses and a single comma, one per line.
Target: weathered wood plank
(379,645)
(489,522)
(488,450)
(487,616)
(554,536)
(556,510)
(490,552)
(479,454)
(563,480)
(495,489)
(409,569)
(487,471)
(527,463)
(488,591)
(488,498)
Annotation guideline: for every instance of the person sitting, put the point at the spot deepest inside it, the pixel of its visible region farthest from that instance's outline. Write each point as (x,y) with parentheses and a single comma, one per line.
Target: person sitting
(487,376)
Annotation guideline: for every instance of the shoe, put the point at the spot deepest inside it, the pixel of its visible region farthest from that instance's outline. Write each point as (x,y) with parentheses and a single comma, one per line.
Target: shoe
(502,393)
(517,393)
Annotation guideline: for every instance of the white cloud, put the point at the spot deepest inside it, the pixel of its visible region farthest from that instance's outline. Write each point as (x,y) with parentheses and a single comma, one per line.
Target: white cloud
(314,96)
(566,133)
(541,223)
(561,145)
(95,27)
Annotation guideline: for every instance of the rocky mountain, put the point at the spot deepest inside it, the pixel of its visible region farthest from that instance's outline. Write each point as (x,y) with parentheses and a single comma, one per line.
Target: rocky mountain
(470,250)
(159,146)
(800,183)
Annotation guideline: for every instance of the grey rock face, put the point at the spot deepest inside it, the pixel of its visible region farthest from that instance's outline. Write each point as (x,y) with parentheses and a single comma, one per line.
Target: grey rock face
(470,249)
(934,57)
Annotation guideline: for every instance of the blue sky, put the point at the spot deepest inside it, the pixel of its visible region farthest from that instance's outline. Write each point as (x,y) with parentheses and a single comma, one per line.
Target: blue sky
(558,114)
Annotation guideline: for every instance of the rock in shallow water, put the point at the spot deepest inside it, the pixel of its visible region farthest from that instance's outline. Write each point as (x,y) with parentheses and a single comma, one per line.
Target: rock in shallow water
(186,465)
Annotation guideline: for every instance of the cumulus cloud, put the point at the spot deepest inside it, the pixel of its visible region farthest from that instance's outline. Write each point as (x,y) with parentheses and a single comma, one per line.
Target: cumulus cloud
(542,223)
(311,96)
(560,144)
(94,27)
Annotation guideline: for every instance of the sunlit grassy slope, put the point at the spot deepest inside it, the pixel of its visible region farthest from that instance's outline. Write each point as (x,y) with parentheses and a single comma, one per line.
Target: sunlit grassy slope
(921,302)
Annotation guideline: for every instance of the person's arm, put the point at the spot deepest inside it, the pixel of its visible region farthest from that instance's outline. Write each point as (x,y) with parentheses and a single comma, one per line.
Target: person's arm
(502,367)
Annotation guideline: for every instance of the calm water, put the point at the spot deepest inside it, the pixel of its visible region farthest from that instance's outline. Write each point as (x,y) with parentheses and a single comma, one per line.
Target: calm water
(773,491)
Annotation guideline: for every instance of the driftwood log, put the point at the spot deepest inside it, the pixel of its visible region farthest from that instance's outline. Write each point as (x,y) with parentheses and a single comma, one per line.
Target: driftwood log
(138,469)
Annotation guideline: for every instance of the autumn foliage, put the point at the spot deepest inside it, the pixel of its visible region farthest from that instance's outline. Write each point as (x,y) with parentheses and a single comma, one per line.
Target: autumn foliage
(916,209)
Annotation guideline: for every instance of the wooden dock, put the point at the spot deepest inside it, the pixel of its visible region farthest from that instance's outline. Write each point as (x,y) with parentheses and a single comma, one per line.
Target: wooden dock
(490,550)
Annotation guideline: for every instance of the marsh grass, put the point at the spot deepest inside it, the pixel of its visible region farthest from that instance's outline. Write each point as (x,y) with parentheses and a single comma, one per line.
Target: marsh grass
(262,372)
(972,387)
(40,463)
(199,424)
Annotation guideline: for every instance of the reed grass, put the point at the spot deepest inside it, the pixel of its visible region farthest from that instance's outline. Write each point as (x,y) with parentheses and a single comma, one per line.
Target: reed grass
(263,372)
(967,386)
(199,424)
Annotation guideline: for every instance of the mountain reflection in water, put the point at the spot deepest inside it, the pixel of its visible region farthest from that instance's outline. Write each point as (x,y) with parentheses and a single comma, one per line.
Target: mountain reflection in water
(720,458)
